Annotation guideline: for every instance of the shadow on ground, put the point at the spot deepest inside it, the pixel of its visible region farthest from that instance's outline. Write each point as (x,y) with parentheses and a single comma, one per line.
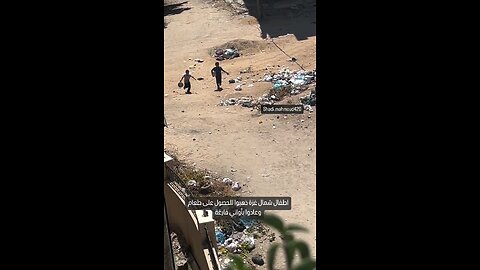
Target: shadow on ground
(282,17)
(173,9)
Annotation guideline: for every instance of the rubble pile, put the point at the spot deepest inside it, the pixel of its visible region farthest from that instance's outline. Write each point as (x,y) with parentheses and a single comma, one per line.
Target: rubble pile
(243,101)
(288,83)
(236,236)
(284,83)
(241,236)
(294,81)
(222,54)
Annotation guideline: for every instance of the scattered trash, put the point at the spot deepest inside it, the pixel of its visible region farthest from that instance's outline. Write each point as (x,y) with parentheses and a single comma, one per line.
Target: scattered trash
(221,55)
(289,82)
(206,188)
(250,85)
(248,242)
(233,170)
(198,60)
(220,237)
(244,102)
(308,108)
(231,81)
(248,222)
(309,99)
(236,186)
(238,88)
(227,181)
(192,183)
(248,70)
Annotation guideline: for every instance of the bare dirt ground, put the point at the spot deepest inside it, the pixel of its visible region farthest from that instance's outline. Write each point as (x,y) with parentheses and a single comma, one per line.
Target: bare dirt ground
(269,161)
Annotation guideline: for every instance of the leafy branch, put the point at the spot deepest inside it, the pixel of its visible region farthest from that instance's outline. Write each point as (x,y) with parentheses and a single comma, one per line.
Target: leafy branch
(289,245)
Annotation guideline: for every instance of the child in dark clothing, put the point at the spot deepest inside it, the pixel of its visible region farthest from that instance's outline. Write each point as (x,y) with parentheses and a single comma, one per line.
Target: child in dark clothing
(217,73)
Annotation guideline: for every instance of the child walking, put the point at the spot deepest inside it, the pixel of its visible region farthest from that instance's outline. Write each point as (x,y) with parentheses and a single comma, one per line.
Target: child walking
(186,81)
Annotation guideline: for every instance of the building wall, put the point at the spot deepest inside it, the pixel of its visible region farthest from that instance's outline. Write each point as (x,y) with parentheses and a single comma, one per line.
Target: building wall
(182,221)
(167,250)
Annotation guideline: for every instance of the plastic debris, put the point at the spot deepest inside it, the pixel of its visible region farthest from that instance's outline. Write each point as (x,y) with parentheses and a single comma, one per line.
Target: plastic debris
(248,222)
(221,55)
(227,181)
(236,186)
(220,237)
(244,102)
(309,99)
(294,82)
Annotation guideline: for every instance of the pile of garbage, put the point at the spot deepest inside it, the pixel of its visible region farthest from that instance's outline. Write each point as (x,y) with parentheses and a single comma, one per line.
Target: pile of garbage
(284,82)
(222,54)
(234,237)
(250,102)
(294,82)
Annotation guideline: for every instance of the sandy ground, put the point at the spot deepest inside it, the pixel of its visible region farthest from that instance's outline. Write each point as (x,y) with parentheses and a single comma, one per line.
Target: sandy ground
(269,161)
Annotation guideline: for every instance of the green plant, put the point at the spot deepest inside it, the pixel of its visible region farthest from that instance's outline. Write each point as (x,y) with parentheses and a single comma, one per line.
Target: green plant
(289,245)
(237,263)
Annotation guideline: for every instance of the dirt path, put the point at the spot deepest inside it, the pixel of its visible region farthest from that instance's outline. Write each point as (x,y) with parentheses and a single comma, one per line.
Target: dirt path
(269,161)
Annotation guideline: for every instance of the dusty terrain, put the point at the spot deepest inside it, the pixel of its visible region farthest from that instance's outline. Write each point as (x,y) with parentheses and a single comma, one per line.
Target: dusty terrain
(268,161)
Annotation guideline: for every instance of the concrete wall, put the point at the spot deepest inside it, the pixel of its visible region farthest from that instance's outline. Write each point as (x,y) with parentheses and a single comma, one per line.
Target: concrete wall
(167,249)
(184,222)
